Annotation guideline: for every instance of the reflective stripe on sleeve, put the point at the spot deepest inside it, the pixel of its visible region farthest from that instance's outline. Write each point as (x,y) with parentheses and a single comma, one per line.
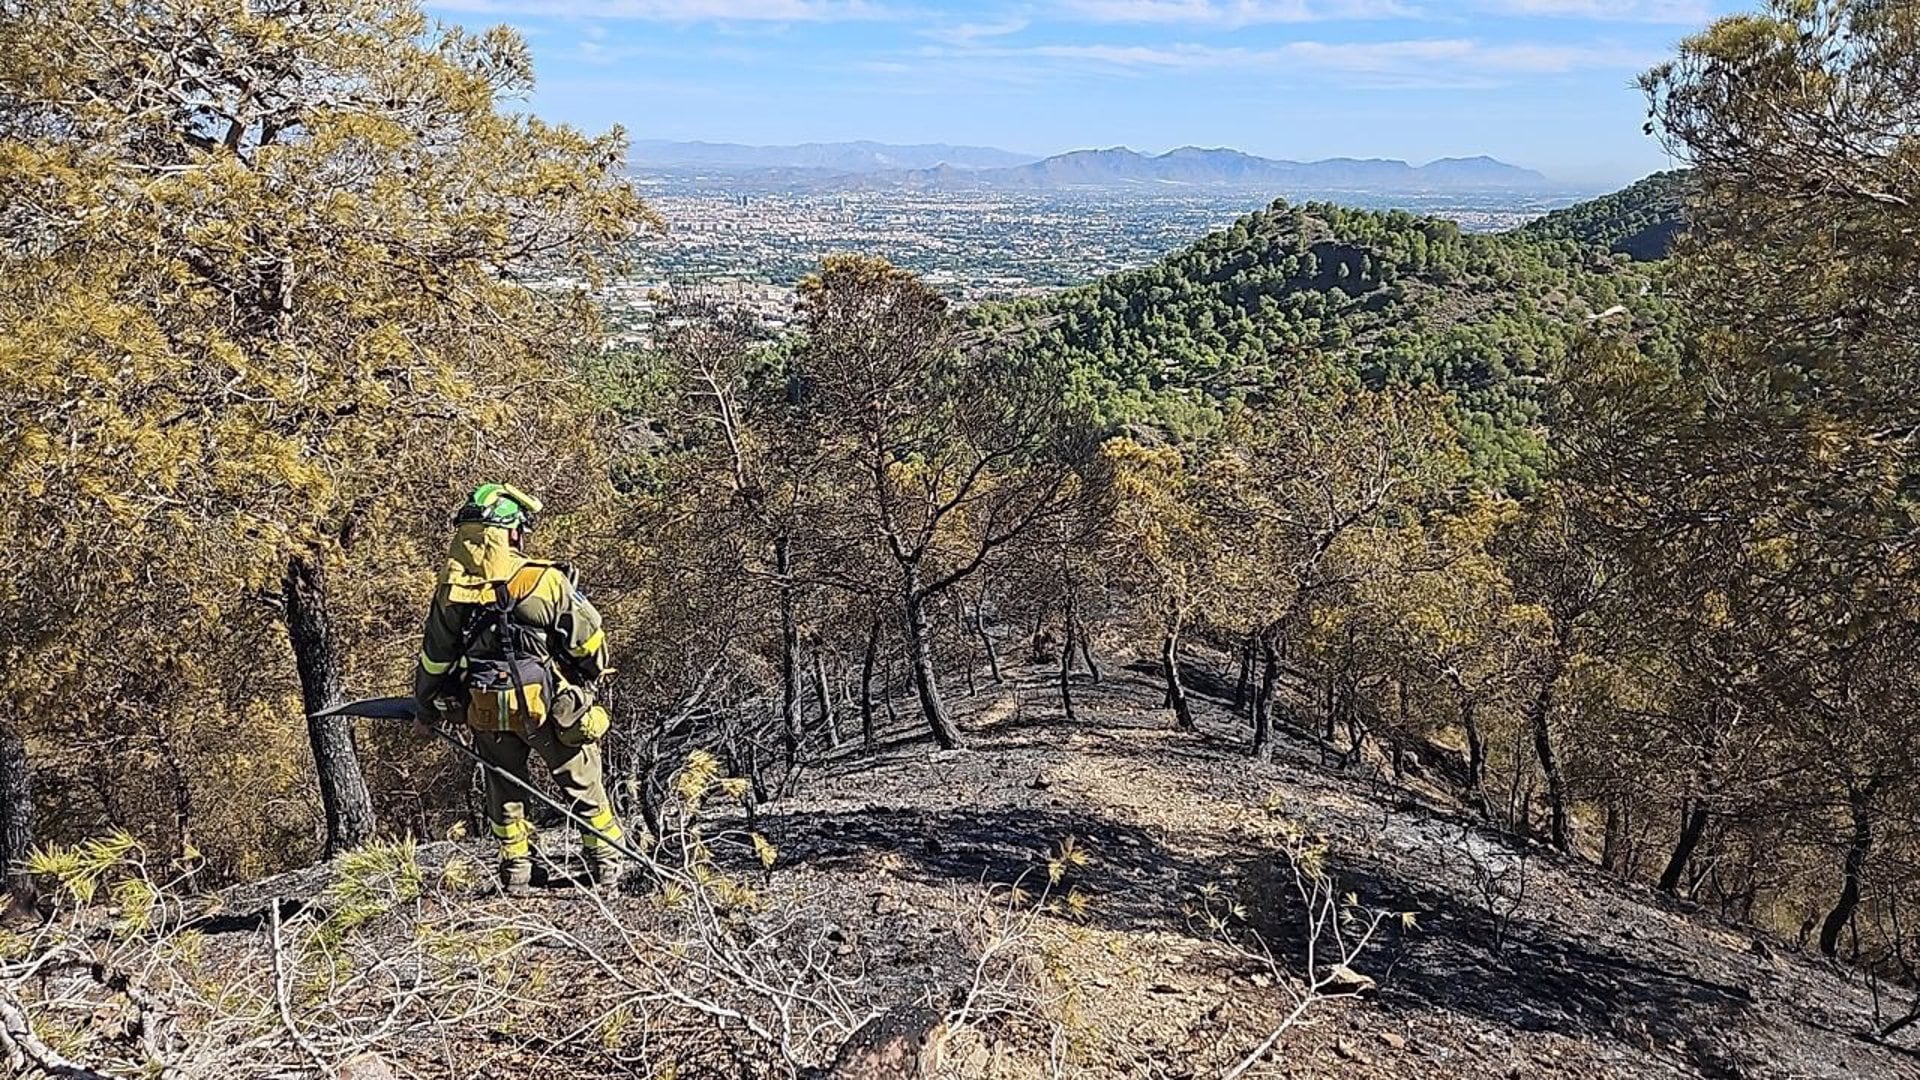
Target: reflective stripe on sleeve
(592,644)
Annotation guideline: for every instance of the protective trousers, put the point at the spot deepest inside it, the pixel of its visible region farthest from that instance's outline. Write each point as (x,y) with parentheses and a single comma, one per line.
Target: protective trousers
(575,771)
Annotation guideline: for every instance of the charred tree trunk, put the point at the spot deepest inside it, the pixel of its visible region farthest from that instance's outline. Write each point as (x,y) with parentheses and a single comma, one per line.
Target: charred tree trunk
(1066,658)
(1560,826)
(756,776)
(1520,790)
(1693,825)
(1476,751)
(886,694)
(824,692)
(986,643)
(866,683)
(1860,802)
(1400,730)
(789,651)
(1038,650)
(1356,729)
(1613,841)
(343,790)
(1330,707)
(16,815)
(183,814)
(965,621)
(1263,699)
(926,681)
(1078,630)
(1066,676)
(1176,690)
(1245,682)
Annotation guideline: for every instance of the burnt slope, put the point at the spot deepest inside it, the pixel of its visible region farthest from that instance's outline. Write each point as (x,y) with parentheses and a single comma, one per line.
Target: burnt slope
(1520,964)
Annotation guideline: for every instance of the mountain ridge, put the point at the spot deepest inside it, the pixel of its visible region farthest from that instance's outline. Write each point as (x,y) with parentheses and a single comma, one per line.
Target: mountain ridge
(861,155)
(1225,165)
(867,166)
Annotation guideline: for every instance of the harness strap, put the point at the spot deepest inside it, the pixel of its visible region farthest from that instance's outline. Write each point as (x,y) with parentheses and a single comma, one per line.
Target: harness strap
(503,619)
(517,588)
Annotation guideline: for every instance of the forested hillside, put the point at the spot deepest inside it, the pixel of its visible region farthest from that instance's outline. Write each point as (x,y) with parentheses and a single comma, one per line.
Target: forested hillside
(1346,647)
(1642,221)
(1387,298)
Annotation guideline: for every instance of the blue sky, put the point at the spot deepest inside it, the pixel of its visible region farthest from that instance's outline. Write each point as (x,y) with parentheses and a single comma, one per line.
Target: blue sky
(1542,83)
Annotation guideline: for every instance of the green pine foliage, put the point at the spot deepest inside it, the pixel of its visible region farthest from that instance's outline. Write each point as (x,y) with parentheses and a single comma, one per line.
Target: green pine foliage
(1641,221)
(1385,298)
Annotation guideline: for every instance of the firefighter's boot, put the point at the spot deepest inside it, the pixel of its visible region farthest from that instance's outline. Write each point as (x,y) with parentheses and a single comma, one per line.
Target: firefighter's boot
(605,864)
(515,834)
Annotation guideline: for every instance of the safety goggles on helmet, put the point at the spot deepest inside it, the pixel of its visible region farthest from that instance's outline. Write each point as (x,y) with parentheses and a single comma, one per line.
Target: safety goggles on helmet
(500,505)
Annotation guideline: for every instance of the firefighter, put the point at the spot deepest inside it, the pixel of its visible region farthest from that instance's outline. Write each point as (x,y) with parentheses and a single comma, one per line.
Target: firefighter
(512,648)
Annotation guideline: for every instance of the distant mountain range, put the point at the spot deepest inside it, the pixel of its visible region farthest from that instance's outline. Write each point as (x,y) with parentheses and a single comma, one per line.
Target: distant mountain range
(866,165)
(1192,166)
(843,157)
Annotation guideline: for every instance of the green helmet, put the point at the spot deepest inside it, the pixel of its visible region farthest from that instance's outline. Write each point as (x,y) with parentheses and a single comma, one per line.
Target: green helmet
(500,505)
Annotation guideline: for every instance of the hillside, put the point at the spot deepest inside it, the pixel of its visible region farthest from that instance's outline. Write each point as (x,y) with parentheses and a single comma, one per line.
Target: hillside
(914,884)
(1641,221)
(1389,297)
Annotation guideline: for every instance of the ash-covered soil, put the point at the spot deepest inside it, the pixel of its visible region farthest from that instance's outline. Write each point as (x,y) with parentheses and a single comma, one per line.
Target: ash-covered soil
(1517,964)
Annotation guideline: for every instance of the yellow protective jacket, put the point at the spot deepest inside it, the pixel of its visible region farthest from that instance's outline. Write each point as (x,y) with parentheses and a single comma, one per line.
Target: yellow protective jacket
(552,622)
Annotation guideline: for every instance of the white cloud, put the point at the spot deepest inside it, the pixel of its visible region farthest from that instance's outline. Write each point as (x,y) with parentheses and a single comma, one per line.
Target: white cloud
(1443,62)
(678,10)
(1231,13)
(962,33)
(1692,12)
(1237,13)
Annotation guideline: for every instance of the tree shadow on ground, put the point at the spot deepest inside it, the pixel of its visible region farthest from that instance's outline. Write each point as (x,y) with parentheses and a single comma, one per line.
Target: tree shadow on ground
(1467,957)
(1206,682)
(1541,978)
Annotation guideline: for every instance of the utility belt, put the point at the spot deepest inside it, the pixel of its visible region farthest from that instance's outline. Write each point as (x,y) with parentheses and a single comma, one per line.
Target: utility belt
(523,695)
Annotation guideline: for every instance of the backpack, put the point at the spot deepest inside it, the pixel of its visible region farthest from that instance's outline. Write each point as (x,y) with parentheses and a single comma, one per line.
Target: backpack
(514,692)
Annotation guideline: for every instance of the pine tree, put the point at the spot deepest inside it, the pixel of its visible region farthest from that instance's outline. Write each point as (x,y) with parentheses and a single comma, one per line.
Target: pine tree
(261,310)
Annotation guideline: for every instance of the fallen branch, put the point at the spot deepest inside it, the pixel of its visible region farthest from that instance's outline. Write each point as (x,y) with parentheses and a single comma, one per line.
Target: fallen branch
(280,996)
(24,1048)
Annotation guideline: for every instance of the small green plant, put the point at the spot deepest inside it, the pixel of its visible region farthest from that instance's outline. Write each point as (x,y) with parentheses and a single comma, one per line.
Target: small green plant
(117,867)
(374,881)
(79,869)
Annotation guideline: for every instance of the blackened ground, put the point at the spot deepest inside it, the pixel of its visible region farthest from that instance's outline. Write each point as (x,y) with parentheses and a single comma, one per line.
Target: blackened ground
(1518,963)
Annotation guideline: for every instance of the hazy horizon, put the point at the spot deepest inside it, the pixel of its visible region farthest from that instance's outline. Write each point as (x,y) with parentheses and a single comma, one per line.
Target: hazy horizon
(1146,151)
(1543,84)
